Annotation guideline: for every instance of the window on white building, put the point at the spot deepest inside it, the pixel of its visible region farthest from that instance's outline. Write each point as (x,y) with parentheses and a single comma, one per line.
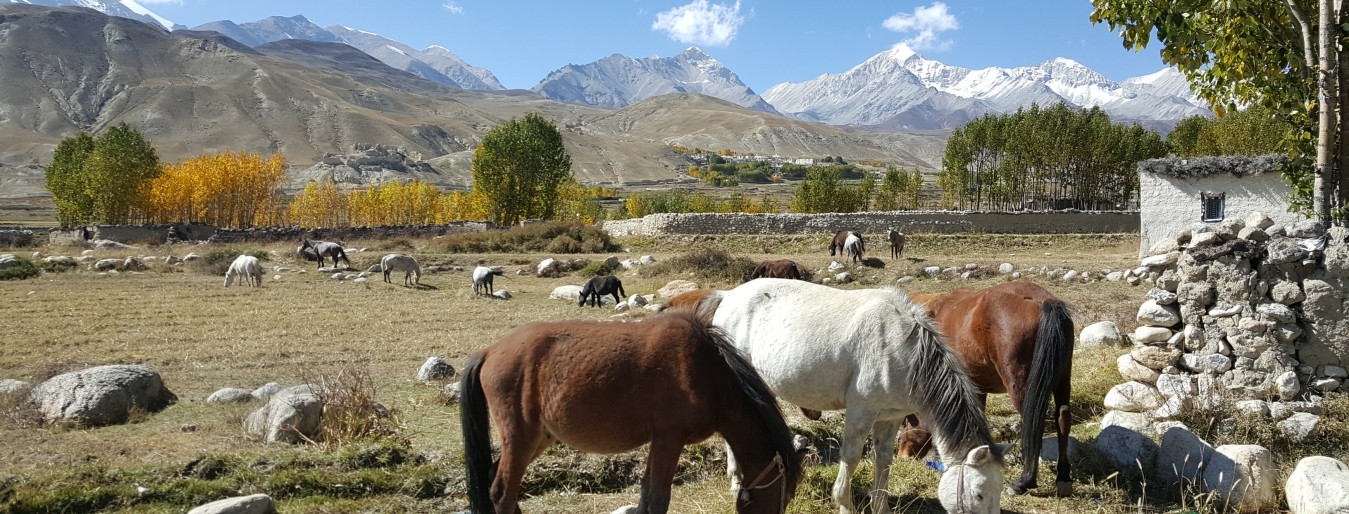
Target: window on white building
(1214,206)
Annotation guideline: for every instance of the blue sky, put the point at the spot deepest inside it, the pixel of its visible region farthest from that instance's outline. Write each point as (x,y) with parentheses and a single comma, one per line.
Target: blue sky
(765,42)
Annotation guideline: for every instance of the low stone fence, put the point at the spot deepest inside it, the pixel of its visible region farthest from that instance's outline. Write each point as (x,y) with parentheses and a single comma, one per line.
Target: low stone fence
(934,222)
(15,237)
(158,234)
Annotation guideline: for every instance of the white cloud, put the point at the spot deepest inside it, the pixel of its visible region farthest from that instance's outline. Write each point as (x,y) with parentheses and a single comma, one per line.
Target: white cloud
(926,23)
(454,8)
(701,23)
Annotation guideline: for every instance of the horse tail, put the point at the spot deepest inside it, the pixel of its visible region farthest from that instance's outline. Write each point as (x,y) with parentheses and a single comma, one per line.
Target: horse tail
(751,384)
(476,424)
(1053,348)
(946,395)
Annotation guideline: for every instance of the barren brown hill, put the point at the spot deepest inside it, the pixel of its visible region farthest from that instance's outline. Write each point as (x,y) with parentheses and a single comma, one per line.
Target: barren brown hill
(66,70)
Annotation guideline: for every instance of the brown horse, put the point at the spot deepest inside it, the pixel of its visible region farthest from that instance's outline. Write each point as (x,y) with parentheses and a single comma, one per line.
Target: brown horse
(692,300)
(840,243)
(1016,338)
(670,380)
(781,268)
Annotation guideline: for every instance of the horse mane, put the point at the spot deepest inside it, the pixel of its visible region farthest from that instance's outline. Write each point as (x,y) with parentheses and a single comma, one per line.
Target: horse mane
(945,393)
(751,384)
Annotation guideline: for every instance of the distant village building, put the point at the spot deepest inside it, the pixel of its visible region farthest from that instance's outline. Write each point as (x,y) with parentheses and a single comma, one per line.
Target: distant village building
(803,162)
(1178,193)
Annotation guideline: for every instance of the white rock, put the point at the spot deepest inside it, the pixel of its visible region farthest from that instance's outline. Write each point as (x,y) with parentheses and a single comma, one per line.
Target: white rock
(451,392)
(1145,335)
(1318,485)
(932,271)
(622,307)
(1298,426)
(1006,268)
(267,390)
(1140,422)
(230,395)
(339,276)
(904,279)
(637,300)
(1114,276)
(1242,476)
(502,294)
(569,293)
(1205,239)
(1128,450)
(101,395)
(276,277)
(1287,385)
(359,280)
(1325,384)
(435,368)
(1158,261)
(252,504)
(1182,456)
(1223,312)
(1155,357)
(1173,407)
(1213,363)
(626,509)
(1070,275)
(1130,369)
(289,416)
(646,259)
(107,264)
(673,288)
(835,266)
(1133,397)
(547,268)
(1151,313)
(1101,333)
(1176,385)
(1253,407)
(1016,275)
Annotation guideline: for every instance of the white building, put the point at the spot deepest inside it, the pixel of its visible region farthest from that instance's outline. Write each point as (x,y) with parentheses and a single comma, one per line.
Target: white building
(803,162)
(1176,194)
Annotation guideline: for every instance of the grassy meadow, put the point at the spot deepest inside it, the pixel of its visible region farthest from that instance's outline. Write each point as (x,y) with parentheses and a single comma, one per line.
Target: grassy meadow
(306,326)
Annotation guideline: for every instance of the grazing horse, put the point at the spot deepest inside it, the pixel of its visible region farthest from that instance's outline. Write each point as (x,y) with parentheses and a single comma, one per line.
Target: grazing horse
(599,286)
(840,242)
(1016,338)
(324,249)
(403,263)
(781,268)
(482,279)
(599,387)
(855,247)
(896,239)
(246,268)
(880,357)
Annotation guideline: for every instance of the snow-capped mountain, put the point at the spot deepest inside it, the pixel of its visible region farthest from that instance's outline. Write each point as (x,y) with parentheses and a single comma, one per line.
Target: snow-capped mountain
(121,8)
(435,63)
(899,88)
(271,29)
(618,81)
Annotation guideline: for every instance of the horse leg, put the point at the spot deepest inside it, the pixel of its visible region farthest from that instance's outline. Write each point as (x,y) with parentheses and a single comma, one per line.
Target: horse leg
(886,431)
(857,424)
(520,445)
(661,464)
(1064,481)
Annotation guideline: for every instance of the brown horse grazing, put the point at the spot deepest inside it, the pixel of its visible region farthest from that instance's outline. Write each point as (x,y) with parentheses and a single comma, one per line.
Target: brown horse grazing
(670,380)
(1016,338)
(781,268)
(840,243)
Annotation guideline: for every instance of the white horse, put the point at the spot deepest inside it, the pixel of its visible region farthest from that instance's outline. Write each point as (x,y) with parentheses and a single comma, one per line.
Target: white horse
(880,357)
(853,245)
(896,239)
(246,268)
(403,263)
(482,279)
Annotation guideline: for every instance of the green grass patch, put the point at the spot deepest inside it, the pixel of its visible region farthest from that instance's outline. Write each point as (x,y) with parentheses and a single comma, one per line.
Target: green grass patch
(22,269)
(704,263)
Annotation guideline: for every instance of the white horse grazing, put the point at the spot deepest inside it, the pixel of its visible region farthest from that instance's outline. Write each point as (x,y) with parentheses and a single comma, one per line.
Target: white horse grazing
(403,263)
(482,279)
(877,355)
(854,246)
(246,268)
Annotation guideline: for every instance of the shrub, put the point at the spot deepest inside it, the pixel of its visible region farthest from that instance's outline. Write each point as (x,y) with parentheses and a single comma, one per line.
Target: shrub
(551,237)
(22,270)
(706,263)
(57,266)
(595,269)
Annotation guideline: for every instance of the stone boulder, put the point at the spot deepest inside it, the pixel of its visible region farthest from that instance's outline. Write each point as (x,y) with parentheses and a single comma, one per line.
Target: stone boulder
(1127,450)
(435,368)
(267,390)
(1130,369)
(231,395)
(1152,313)
(292,415)
(1104,333)
(252,504)
(1133,397)
(1298,426)
(102,395)
(1140,422)
(1155,357)
(1242,476)
(133,264)
(676,287)
(10,386)
(548,268)
(107,264)
(502,294)
(1146,334)
(1182,456)
(568,293)
(1318,485)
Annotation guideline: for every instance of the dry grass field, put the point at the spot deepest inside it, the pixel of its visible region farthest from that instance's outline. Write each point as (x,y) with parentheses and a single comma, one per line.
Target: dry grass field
(202,337)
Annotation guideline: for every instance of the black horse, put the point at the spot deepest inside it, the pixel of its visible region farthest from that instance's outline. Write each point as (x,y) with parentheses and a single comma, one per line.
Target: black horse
(600,286)
(318,250)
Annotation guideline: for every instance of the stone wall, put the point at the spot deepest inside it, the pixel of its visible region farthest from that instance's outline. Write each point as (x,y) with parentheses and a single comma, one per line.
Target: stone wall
(1246,310)
(936,222)
(158,234)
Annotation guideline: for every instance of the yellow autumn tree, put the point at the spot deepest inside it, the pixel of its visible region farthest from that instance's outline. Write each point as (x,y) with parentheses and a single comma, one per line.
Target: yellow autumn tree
(234,190)
(321,204)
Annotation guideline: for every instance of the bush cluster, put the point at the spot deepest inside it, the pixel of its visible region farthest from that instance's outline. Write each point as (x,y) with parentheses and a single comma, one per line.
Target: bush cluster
(22,270)
(550,237)
(705,263)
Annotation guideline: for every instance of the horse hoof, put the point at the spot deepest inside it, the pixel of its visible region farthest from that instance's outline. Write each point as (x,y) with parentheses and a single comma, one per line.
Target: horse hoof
(1065,489)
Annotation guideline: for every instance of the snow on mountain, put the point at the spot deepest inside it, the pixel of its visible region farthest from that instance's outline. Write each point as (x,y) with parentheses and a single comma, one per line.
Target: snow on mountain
(436,63)
(618,81)
(271,29)
(884,89)
(121,8)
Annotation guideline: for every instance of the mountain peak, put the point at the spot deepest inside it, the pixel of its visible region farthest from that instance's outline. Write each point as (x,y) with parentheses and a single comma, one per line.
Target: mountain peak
(693,52)
(618,81)
(900,53)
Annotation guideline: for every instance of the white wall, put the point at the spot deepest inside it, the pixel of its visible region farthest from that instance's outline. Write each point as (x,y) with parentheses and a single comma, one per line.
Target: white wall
(1168,205)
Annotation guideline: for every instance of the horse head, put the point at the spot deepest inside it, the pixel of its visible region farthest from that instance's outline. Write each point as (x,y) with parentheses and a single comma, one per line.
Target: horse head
(774,487)
(974,485)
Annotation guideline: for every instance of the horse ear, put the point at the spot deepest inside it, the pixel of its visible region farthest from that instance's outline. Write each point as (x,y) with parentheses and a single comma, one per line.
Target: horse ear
(979,456)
